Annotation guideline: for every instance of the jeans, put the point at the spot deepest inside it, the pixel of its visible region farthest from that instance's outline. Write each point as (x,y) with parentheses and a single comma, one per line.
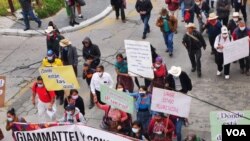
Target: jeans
(195,58)
(117,12)
(144,117)
(168,39)
(27,14)
(182,9)
(219,62)
(211,41)
(145,18)
(178,126)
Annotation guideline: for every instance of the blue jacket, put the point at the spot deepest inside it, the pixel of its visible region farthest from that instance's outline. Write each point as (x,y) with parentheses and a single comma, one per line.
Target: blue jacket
(214,31)
(139,99)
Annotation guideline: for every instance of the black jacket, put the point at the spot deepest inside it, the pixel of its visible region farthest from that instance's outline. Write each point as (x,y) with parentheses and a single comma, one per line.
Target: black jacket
(232,25)
(25,4)
(144,5)
(53,43)
(223,8)
(192,44)
(186,83)
(117,3)
(204,8)
(79,104)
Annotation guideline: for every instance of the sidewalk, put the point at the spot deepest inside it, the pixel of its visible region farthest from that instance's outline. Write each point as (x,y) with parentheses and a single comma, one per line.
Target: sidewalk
(93,11)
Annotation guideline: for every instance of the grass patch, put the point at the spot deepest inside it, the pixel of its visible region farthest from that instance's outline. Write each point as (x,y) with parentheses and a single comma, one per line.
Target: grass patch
(4,5)
(49,8)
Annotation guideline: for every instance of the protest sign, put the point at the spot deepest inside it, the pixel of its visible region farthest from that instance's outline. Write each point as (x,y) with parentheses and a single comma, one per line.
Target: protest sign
(170,102)
(117,99)
(139,58)
(235,50)
(59,78)
(2,90)
(219,118)
(62,132)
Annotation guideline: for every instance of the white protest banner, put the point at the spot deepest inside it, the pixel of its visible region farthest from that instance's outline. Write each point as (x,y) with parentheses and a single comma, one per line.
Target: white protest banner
(73,132)
(170,102)
(235,50)
(139,58)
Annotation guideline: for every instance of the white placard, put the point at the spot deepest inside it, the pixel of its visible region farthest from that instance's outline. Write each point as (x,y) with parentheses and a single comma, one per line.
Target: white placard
(170,102)
(139,58)
(235,50)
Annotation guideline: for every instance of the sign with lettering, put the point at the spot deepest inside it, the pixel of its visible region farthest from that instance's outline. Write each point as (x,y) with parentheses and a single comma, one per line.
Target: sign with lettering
(219,118)
(2,90)
(139,58)
(236,50)
(59,78)
(170,102)
(117,99)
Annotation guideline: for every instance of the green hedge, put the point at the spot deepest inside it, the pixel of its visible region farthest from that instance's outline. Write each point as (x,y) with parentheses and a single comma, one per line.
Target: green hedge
(4,5)
(49,8)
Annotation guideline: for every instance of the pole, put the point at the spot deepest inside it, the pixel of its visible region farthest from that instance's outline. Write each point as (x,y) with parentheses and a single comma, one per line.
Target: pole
(12,9)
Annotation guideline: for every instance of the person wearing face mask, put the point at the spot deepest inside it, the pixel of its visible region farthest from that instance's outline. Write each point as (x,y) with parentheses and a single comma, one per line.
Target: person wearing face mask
(233,23)
(160,72)
(142,106)
(240,5)
(138,132)
(220,40)
(11,118)
(98,78)
(72,115)
(75,99)
(121,68)
(213,27)
(53,39)
(223,10)
(201,9)
(240,32)
(46,99)
(168,25)
(68,54)
(160,128)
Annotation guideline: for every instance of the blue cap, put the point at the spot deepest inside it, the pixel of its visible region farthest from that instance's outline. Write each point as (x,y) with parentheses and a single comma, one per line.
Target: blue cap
(70,107)
(50,53)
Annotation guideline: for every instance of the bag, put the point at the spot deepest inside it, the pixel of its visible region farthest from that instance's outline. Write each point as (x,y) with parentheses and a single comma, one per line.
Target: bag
(106,121)
(167,1)
(187,16)
(1,135)
(81,2)
(159,22)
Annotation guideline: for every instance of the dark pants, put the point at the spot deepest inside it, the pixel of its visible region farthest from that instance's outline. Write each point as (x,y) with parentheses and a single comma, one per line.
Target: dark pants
(195,58)
(27,14)
(219,62)
(147,82)
(224,20)
(91,97)
(144,117)
(98,95)
(211,41)
(242,8)
(145,18)
(178,122)
(117,12)
(60,94)
(75,70)
(244,63)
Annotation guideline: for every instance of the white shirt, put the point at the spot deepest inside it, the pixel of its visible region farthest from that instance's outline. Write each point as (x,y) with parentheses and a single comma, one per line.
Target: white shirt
(177,82)
(96,81)
(219,40)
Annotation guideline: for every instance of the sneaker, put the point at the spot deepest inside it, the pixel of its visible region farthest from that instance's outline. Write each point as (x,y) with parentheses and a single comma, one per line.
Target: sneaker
(39,24)
(25,29)
(227,76)
(218,73)
(80,17)
(75,23)
(170,54)
(193,70)
(144,36)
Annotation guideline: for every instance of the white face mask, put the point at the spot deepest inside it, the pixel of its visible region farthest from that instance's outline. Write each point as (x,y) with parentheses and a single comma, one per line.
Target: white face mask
(163,16)
(68,112)
(51,34)
(10,119)
(159,132)
(40,85)
(120,89)
(100,74)
(242,28)
(50,57)
(75,97)
(135,130)
(224,35)
(235,19)
(157,65)
(197,3)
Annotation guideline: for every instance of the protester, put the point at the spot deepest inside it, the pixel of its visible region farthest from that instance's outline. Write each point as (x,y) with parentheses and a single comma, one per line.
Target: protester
(11,118)
(53,39)
(119,5)
(168,25)
(142,106)
(91,53)
(121,68)
(27,12)
(88,74)
(160,128)
(52,61)
(188,11)
(113,119)
(72,115)
(193,41)
(72,6)
(178,80)
(240,32)
(100,77)
(68,54)
(201,10)
(213,27)
(160,72)
(54,26)
(173,7)
(76,100)
(144,7)
(220,41)
(138,132)
(240,5)
(193,137)
(46,100)
(223,10)
(233,23)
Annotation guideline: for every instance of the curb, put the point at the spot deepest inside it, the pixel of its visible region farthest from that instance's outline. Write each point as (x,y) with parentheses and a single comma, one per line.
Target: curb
(30,33)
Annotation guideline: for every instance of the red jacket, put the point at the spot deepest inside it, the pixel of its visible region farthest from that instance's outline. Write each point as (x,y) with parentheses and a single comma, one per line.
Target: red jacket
(161,71)
(236,34)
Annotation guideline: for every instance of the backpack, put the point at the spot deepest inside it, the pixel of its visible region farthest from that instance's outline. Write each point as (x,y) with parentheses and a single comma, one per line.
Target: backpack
(187,16)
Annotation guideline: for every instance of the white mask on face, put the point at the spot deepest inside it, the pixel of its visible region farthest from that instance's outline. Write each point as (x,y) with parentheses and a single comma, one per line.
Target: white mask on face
(197,3)
(10,119)
(235,19)
(242,28)
(68,112)
(100,74)
(159,132)
(163,16)
(157,65)
(75,97)
(50,57)
(135,130)
(40,85)
(120,89)
(224,35)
